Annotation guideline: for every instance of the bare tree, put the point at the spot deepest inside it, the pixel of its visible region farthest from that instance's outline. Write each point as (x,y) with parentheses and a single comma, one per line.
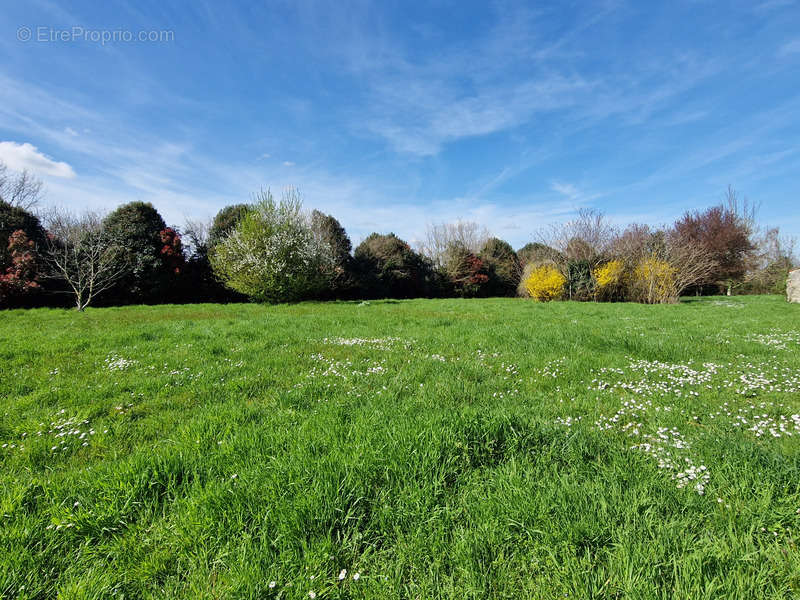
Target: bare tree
(772,260)
(587,237)
(197,234)
(691,262)
(440,238)
(22,189)
(80,253)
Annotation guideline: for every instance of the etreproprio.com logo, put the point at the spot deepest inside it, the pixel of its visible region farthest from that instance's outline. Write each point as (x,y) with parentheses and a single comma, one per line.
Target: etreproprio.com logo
(44,34)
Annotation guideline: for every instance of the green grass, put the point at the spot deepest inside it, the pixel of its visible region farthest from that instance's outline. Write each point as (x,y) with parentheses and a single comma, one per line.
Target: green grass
(227,447)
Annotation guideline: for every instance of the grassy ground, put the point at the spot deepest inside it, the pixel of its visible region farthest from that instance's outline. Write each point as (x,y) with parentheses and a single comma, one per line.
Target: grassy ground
(418,449)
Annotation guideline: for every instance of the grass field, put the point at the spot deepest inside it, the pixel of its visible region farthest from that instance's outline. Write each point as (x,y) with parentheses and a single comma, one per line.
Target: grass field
(418,449)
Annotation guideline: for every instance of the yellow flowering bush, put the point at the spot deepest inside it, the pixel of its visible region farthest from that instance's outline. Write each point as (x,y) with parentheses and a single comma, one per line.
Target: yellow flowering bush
(654,281)
(609,278)
(545,283)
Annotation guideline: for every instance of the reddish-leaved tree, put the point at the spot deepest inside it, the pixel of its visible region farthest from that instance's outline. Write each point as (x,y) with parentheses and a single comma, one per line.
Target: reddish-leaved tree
(724,233)
(21,277)
(172,249)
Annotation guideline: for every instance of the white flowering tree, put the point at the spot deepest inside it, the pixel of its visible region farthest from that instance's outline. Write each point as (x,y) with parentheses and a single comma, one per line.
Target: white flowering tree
(273,255)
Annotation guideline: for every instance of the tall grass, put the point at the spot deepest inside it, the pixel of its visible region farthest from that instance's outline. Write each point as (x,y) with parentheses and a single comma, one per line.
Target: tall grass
(433,448)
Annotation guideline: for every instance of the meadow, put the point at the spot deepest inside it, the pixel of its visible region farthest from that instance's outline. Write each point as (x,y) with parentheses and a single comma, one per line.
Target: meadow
(493,448)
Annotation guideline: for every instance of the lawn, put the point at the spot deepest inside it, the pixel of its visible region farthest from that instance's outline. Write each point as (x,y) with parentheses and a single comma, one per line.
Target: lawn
(402,449)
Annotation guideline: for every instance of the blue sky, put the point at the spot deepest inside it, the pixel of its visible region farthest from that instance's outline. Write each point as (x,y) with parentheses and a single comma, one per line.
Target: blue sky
(394,115)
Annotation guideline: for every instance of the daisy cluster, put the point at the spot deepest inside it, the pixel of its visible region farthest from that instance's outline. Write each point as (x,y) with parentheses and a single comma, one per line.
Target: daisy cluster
(766,419)
(687,380)
(668,448)
(344,369)
(776,339)
(657,378)
(114,362)
(386,343)
(68,432)
(554,368)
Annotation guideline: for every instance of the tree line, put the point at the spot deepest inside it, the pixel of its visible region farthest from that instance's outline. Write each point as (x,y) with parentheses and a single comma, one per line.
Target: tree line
(274,250)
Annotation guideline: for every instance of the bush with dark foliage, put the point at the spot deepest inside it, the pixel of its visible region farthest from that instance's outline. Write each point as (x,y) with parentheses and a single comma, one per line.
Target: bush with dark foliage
(387,267)
(502,268)
(149,274)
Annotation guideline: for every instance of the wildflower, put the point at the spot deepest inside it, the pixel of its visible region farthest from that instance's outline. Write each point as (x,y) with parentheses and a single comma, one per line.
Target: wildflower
(342,574)
(356,576)
(312,594)
(272,584)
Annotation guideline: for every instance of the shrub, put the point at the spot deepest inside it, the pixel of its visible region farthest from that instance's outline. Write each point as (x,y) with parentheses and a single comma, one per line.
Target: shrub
(654,281)
(502,268)
(610,280)
(387,267)
(579,281)
(545,283)
(464,271)
(272,255)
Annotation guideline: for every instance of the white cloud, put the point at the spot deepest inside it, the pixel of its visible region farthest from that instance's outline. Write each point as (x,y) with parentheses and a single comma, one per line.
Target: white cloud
(572,192)
(27,156)
(288,163)
(565,189)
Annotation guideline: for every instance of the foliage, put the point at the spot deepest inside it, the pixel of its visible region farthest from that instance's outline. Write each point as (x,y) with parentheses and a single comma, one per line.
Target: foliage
(21,276)
(724,233)
(272,255)
(537,253)
(12,219)
(387,267)
(464,271)
(502,268)
(172,250)
(225,222)
(610,280)
(136,228)
(545,283)
(334,240)
(654,281)
(579,281)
